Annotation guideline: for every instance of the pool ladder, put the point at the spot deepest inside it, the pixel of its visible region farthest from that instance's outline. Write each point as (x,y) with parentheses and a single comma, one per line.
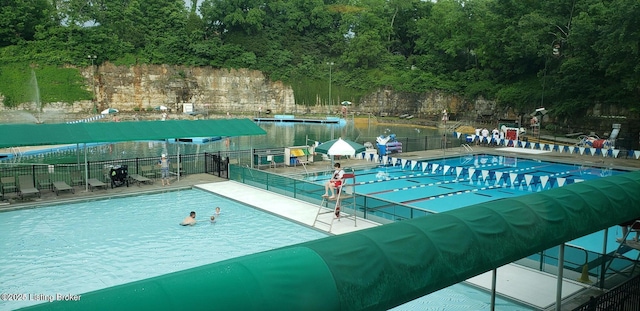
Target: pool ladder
(467,148)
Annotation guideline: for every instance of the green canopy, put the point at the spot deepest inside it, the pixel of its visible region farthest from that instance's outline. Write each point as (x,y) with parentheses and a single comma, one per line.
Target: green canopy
(15,135)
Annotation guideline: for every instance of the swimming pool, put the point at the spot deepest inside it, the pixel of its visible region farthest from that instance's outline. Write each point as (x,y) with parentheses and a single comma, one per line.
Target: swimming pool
(80,247)
(439,185)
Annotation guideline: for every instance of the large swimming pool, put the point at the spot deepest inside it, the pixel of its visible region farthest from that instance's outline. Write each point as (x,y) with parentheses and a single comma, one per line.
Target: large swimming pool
(439,185)
(81,247)
(76,248)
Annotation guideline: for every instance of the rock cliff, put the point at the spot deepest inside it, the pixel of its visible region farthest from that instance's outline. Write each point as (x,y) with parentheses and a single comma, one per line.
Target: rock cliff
(241,91)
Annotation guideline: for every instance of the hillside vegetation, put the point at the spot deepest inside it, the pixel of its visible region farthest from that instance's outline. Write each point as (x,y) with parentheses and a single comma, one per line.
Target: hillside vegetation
(564,55)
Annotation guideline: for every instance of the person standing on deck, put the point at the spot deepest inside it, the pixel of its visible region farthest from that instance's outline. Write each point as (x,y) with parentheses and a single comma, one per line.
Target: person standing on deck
(164,169)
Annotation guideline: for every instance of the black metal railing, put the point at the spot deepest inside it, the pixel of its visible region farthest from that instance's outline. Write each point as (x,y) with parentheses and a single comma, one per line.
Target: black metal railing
(44,175)
(624,297)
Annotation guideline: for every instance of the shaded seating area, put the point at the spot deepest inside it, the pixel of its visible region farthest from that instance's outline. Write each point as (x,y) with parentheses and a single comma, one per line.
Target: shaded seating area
(62,186)
(26,187)
(95,183)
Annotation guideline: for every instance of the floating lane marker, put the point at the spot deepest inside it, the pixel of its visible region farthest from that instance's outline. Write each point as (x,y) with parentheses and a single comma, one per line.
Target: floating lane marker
(450,194)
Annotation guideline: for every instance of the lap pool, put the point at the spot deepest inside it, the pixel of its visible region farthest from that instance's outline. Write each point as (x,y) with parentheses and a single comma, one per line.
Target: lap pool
(440,185)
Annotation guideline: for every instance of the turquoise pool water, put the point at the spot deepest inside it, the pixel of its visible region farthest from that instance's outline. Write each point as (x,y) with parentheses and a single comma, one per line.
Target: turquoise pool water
(76,248)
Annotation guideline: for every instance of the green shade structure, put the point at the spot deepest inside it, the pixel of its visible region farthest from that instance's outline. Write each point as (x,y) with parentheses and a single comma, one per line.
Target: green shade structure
(15,135)
(340,147)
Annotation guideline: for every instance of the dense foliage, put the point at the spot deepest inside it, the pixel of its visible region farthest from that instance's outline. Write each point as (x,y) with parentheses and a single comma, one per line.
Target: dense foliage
(565,55)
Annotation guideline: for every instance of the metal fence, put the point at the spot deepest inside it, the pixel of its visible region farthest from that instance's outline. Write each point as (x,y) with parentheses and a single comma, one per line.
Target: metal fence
(625,297)
(43,175)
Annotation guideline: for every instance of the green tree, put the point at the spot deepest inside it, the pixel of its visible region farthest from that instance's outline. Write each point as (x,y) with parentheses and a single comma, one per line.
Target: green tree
(19,19)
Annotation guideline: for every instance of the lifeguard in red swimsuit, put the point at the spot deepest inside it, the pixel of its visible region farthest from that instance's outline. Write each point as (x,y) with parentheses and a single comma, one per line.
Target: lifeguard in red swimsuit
(334,182)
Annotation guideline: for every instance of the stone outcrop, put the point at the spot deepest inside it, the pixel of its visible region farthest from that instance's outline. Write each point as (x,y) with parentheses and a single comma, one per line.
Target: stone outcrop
(217,91)
(144,87)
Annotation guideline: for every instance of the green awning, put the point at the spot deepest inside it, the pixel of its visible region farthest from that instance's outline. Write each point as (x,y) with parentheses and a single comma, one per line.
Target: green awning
(15,135)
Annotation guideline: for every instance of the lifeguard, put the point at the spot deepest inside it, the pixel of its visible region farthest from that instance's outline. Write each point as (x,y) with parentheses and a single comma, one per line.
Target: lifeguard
(334,182)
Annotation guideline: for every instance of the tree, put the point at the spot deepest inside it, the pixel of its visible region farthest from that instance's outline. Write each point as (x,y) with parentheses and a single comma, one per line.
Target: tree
(19,19)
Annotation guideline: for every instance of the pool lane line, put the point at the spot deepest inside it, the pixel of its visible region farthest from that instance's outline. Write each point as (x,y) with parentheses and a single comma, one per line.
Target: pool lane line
(450,194)
(450,181)
(424,185)
(420,186)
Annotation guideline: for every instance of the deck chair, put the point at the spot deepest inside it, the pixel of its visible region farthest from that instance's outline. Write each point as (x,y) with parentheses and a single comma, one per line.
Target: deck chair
(77,178)
(62,186)
(95,183)
(8,184)
(148,171)
(43,181)
(140,179)
(174,169)
(26,186)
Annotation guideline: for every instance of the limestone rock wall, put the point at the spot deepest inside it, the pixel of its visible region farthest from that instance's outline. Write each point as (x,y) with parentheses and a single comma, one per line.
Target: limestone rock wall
(242,91)
(216,90)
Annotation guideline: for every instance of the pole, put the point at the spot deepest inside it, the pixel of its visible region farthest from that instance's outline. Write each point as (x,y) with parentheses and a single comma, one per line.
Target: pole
(93,83)
(86,170)
(330,65)
(178,160)
(560,277)
(494,277)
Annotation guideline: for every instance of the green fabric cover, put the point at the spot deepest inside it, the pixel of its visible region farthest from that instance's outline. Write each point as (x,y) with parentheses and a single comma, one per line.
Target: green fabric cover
(382,267)
(15,135)
(293,278)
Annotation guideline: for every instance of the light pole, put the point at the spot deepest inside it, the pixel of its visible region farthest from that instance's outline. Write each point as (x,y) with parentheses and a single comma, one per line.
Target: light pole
(93,83)
(330,65)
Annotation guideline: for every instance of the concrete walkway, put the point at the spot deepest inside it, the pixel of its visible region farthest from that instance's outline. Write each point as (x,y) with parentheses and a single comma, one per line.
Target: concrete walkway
(289,208)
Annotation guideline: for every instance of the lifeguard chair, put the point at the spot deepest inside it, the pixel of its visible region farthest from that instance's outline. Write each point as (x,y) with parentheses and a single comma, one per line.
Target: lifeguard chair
(625,246)
(330,211)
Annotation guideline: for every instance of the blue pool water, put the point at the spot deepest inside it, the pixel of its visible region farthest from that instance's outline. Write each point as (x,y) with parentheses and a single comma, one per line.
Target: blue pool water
(81,247)
(441,185)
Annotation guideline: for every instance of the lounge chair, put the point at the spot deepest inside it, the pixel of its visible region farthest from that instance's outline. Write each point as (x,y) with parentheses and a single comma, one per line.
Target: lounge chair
(95,183)
(62,186)
(8,184)
(140,179)
(26,186)
(43,181)
(77,178)
(148,171)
